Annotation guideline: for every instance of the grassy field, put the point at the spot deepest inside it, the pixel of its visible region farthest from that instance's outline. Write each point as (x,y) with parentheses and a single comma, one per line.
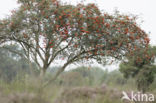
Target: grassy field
(80,85)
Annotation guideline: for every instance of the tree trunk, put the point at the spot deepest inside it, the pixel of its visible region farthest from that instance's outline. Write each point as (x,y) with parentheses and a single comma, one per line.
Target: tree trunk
(42,72)
(41,78)
(44,69)
(56,75)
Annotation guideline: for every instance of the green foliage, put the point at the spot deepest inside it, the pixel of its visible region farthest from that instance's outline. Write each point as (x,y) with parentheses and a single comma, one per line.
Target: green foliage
(115,77)
(12,65)
(92,74)
(141,67)
(145,77)
(81,76)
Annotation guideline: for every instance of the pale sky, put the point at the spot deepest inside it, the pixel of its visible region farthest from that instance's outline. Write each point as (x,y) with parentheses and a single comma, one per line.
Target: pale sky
(144,8)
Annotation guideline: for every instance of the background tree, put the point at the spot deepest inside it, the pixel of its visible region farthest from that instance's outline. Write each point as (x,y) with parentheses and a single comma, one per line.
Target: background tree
(12,64)
(48,30)
(141,67)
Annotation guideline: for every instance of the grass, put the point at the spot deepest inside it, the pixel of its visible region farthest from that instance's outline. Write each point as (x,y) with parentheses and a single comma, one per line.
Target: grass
(82,92)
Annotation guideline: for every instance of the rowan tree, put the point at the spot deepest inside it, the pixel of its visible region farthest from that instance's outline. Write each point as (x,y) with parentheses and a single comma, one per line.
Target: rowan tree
(141,67)
(48,30)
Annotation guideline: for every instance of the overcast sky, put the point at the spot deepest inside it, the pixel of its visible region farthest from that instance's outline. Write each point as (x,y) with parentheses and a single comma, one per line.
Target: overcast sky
(144,8)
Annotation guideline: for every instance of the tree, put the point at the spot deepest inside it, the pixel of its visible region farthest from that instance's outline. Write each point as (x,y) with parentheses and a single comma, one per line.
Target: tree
(141,67)
(48,30)
(12,64)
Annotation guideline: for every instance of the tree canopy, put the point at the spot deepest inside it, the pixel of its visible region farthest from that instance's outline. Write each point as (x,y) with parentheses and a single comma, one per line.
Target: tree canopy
(48,30)
(141,67)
